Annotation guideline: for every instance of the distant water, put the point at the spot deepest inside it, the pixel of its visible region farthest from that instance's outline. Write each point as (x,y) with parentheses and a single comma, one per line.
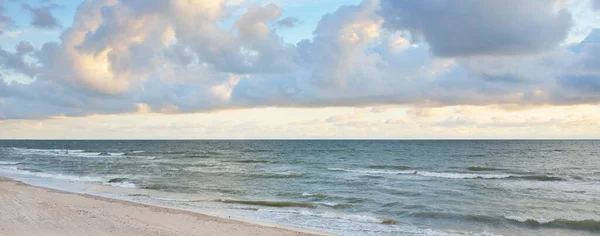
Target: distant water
(344,187)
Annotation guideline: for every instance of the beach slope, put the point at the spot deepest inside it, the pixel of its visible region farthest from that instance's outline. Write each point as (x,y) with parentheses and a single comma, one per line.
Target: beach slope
(30,210)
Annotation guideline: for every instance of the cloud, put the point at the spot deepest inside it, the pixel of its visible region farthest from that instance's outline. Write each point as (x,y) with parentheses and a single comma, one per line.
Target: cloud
(596,4)
(5,21)
(288,22)
(42,16)
(162,56)
(473,27)
(15,62)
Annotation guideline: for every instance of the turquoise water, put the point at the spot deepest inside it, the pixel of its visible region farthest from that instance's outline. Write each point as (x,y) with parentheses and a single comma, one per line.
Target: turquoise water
(343,187)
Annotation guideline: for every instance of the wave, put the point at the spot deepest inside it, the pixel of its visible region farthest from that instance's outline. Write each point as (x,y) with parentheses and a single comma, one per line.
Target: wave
(538,178)
(585,224)
(481,168)
(116,182)
(124,184)
(40,174)
(256,150)
(195,156)
(66,152)
(468,155)
(270,203)
(30,170)
(449,215)
(9,163)
(334,205)
(449,175)
(250,161)
(452,175)
(322,196)
(396,167)
(315,195)
(350,217)
(361,171)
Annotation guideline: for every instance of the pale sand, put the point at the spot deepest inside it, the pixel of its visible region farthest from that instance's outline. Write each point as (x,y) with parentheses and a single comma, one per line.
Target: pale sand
(30,210)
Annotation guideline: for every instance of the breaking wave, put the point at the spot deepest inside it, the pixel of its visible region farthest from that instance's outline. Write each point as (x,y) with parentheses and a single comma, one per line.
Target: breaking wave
(585,224)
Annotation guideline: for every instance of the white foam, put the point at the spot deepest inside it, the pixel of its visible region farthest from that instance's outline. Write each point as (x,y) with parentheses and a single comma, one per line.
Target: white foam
(524,219)
(373,172)
(64,152)
(14,170)
(122,185)
(9,163)
(448,175)
(350,217)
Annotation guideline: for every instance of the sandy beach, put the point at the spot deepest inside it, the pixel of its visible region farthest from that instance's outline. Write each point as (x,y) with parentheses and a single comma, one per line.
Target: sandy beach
(30,210)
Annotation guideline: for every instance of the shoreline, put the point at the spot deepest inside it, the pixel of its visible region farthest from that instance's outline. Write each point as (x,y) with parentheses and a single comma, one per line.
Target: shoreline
(35,210)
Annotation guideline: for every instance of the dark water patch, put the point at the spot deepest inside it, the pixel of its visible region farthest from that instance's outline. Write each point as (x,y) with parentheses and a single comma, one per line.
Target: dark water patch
(450,216)
(538,178)
(279,175)
(577,177)
(315,195)
(481,168)
(104,154)
(354,199)
(167,187)
(475,155)
(230,191)
(335,205)
(250,161)
(468,155)
(138,195)
(30,170)
(212,153)
(117,180)
(204,165)
(195,156)
(175,152)
(256,150)
(391,204)
(394,167)
(270,203)
(372,176)
(587,224)
(249,208)
(389,221)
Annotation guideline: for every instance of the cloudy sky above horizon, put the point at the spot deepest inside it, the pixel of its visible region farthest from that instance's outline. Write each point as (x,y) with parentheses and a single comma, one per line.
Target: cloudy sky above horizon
(111,69)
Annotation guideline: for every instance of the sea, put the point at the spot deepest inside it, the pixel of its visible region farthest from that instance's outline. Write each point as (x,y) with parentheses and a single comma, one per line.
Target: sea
(345,187)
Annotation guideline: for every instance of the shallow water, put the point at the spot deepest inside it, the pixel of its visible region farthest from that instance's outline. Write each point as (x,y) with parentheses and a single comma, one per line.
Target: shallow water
(345,187)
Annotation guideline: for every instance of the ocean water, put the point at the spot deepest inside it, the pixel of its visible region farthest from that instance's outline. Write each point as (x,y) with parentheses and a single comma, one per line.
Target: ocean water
(343,187)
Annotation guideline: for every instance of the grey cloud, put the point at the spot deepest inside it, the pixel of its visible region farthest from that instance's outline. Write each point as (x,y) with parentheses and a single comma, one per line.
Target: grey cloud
(42,16)
(288,22)
(582,83)
(15,62)
(473,27)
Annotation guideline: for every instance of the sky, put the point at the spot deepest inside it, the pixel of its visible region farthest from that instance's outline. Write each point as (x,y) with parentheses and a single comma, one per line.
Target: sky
(299,69)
